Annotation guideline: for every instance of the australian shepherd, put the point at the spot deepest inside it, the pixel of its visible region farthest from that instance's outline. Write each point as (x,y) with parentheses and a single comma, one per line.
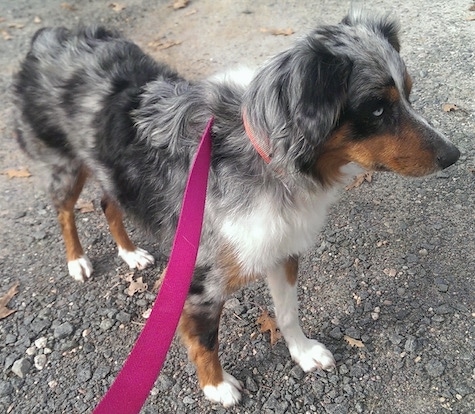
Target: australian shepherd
(285,137)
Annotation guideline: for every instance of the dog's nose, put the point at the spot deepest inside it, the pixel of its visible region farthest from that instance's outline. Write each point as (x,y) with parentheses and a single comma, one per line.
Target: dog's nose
(449,156)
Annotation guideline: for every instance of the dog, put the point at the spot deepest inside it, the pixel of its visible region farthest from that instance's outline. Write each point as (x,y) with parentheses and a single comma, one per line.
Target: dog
(285,139)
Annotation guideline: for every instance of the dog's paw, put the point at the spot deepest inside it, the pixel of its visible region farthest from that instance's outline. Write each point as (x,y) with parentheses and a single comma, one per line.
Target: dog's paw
(311,355)
(227,393)
(138,258)
(80,269)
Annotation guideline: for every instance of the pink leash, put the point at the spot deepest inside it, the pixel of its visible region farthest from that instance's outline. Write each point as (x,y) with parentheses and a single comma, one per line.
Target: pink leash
(140,371)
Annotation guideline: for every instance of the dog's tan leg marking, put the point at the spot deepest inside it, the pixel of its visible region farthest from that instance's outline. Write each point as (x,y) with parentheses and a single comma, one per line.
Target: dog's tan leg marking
(134,256)
(199,332)
(79,266)
(291,270)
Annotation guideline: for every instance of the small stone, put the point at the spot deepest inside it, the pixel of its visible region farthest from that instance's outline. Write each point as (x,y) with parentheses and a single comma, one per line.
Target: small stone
(123,317)
(41,342)
(188,400)
(435,368)
(411,344)
(353,333)
(83,374)
(336,333)
(10,339)
(21,367)
(251,385)
(6,388)
(31,351)
(40,362)
(443,309)
(63,331)
(106,324)
(297,372)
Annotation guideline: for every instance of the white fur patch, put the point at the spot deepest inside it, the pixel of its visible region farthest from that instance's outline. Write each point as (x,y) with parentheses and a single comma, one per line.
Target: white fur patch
(267,233)
(226,393)
(238,76)
(139,258)
(311,354)
(80,269)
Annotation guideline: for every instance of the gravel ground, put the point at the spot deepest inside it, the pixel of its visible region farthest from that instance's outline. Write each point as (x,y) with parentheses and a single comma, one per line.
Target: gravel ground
(392,268)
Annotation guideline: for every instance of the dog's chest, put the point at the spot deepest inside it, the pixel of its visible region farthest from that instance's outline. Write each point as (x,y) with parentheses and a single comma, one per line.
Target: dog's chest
(270,232)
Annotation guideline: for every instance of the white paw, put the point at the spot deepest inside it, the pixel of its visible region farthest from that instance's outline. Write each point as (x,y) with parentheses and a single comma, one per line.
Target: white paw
(312,354)
(226,393)
(138,258)
(80,269)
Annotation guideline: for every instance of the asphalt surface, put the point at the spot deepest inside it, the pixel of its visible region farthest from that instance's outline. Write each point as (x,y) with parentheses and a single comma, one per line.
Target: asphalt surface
(393,268)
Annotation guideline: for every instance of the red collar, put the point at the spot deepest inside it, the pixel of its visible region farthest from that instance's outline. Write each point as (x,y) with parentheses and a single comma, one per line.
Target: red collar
(262,146)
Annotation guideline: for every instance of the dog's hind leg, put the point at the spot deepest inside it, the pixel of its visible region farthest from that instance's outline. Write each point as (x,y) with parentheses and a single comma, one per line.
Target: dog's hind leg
(134,256)
(67,182)
(199,332)
(308,353)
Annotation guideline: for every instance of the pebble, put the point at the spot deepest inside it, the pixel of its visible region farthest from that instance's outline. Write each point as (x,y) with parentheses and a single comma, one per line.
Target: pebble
(63,331)
(83,374)
(21,367)
(106,324)
(6,388)
(40,361)
(40,343)
(435,368)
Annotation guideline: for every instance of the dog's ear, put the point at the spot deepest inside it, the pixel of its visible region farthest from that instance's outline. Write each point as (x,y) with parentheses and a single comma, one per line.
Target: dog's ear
(384,25)
(323,79)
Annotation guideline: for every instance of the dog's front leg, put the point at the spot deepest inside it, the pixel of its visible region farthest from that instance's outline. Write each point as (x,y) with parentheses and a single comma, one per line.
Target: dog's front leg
(308,353)
(199,331)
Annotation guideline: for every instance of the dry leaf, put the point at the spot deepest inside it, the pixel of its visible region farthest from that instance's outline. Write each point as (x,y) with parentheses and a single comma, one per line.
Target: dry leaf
(160,45)
(390,272)
(69,7)
(4,311)
(279,32)
(180,4)
(128,277)
(353,342)
(470,18)
(360,179)
(269,324)
(117,7)
(6,35)
(136,286)
(21,173)
(16,25)
(84,206)
(448,107)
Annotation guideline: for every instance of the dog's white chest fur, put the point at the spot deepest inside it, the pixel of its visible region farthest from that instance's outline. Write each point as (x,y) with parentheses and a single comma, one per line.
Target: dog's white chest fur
(269,232)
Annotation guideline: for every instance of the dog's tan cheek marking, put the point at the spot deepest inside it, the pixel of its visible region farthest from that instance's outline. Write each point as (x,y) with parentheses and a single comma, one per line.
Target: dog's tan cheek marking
(332,157)
(66,219)
(404,154)
(208,367)
(291,270)
(407,83)
(114,217)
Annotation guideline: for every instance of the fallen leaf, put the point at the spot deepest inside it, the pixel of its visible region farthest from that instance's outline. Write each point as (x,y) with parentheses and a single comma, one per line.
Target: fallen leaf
(16,25)
(279,32)
(4,311)
(84,206)
(269,324)
(180,4)
(353,342)
(69,7)
(128,277)
(160,45)
(470,18)
(390,272)
(117,7)
(360,179)
(6,35)
(13,173)
(448,107)
(136,286)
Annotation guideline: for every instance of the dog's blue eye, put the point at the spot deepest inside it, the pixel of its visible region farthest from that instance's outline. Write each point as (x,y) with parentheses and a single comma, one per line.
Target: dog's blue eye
(378,112)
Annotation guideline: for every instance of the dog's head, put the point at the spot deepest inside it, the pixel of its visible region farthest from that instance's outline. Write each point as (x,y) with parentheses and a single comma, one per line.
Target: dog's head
(341,95)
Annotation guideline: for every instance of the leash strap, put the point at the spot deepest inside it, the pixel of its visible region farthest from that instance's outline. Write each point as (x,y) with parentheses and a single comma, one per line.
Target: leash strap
(140,371)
